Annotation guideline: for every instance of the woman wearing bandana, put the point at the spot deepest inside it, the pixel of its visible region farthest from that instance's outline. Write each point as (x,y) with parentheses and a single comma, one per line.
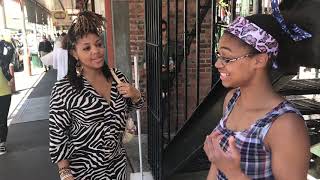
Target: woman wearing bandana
(261,135)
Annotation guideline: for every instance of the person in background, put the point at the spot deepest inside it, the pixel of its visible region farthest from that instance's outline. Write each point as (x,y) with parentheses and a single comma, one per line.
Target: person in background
(60,57)
(88,108)
(167,53)
(170,63)
(6,56)
(44,48)
(261,135)
(33,44)
(50,40)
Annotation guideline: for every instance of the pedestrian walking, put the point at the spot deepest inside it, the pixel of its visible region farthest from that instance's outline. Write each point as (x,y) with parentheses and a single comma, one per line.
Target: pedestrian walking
(60,57)
(6,56)
(44,48)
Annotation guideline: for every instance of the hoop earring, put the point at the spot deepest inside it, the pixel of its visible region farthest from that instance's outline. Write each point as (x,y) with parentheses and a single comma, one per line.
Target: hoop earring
(79,68)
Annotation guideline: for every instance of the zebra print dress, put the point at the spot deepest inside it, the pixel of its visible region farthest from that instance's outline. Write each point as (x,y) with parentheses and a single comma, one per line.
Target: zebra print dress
(87,131)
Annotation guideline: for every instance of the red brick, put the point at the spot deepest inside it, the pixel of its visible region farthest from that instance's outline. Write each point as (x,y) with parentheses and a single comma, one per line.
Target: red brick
(137,39)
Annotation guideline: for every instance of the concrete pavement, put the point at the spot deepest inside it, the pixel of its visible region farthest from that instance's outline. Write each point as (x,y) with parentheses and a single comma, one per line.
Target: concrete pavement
(27,144)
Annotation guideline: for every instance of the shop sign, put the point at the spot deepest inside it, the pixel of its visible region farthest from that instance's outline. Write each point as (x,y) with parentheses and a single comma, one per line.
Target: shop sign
(60,18)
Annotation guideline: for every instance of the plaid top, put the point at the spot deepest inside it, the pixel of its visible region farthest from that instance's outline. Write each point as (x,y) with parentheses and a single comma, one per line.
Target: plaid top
(255,158)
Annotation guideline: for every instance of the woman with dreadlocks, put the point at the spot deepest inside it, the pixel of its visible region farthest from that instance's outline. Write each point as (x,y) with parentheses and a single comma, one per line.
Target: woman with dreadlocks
(88,108)
(261,135)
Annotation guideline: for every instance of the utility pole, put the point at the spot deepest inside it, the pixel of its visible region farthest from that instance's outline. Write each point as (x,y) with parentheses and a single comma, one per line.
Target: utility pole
(26,60)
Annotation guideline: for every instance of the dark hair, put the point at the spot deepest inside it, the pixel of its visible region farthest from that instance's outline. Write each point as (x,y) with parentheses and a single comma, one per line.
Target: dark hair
(305,14)
(293,54)
(85,23)
(272,27)
(163,22)
(64,42)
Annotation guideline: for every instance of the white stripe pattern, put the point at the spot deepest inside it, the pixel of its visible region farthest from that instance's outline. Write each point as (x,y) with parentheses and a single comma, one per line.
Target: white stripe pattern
(86,130)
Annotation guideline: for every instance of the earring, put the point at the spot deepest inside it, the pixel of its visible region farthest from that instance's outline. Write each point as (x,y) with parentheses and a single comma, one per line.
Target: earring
(79,68)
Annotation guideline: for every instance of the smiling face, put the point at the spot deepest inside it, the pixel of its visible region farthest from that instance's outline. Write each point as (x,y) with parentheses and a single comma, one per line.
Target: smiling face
(89,51)
(239,72)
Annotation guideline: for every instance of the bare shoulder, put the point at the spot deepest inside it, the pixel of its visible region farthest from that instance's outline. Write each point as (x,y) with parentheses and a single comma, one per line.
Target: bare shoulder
(288,141)
(227,98)
(288,122)
(288,127)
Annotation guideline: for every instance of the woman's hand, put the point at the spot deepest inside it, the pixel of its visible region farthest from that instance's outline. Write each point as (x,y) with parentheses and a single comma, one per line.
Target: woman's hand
(208,146)
(128,91)
(227,162)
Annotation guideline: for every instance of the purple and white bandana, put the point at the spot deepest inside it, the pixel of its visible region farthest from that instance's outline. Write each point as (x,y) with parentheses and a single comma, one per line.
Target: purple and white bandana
(254,36)
(295,32)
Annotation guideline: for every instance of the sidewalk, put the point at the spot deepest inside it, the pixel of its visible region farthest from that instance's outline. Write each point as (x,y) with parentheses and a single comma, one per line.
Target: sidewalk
(28,154)
(24,86)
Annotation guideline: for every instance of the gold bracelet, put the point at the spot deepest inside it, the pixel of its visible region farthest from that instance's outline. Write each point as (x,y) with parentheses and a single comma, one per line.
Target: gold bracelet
(65,176)
(65,173)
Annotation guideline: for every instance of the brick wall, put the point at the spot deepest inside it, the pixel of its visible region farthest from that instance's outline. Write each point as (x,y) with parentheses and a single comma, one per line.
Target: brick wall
(205,61)
(136,15)
(136,20)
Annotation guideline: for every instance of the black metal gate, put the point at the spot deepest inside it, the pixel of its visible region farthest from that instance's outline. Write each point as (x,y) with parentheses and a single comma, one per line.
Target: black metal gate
(165,112)
(174,95)
(153,56)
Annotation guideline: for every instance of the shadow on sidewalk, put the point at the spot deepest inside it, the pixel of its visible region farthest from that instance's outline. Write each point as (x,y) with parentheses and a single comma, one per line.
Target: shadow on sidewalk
(28,153)
(45,85)
(27,143)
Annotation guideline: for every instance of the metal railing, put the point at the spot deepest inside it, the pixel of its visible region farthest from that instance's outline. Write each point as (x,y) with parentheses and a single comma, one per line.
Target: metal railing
(153,56)
(167,105)
(169,100)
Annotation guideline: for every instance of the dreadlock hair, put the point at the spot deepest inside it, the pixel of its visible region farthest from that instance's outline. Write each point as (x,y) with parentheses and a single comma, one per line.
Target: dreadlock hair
(85,23)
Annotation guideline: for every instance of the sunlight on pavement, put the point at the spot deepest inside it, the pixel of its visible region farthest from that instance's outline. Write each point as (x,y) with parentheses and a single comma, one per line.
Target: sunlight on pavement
(24,86)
